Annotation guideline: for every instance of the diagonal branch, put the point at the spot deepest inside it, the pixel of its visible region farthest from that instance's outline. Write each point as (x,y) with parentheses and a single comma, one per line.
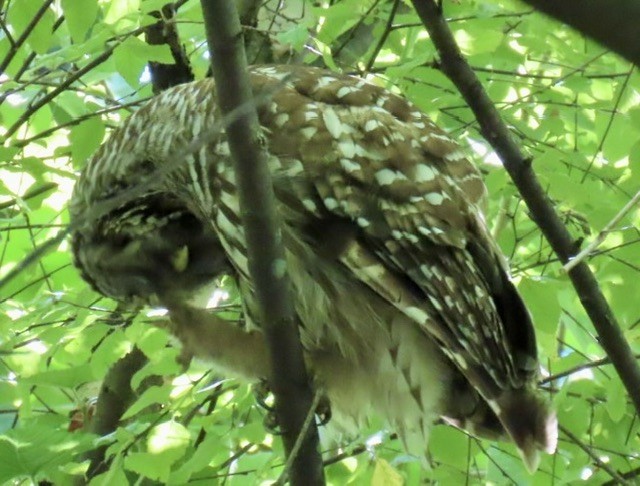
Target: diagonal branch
(576,369)
(59,89)
(261,223)
(15,47)
(604,232)
(165,31)
(594,457)
(115,397)
(519,168)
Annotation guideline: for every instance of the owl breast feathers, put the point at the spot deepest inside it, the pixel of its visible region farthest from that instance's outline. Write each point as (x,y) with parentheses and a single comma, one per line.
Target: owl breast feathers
(404,301)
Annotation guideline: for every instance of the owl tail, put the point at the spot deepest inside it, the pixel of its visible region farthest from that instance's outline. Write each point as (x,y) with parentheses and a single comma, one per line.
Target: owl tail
(530,422)
(521,416)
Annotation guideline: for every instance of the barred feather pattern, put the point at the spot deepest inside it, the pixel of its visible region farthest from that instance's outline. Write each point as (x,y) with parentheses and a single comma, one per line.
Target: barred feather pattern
(404,301)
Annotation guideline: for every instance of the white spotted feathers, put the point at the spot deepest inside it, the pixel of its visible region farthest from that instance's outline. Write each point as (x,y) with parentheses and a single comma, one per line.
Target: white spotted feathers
(394,272)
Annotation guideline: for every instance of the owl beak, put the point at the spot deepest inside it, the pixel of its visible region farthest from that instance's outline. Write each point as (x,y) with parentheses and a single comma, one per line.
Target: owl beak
(180,259)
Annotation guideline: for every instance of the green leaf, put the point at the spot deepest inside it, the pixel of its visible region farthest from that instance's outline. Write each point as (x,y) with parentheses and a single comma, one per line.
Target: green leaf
(152,396)
(620,139)
(80,16)
(67,378)
(541,296)
(115,475)
(113,347)
(479,41)
(38,447)
(128,64)
(148,52)
(152,341)
(634,158)
(337,19)
(148,465)
(295,37)
(164,362)
(449,446)
(85,139)
(602,89)
(509,464)
(13,467)
(7,154)
(132,56)
(200,458)
(119,9)
(169,440)
(21,15)
(385,474)
(616,399)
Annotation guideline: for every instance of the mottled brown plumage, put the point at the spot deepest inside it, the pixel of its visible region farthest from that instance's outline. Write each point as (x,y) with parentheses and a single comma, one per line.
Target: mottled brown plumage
(404,301)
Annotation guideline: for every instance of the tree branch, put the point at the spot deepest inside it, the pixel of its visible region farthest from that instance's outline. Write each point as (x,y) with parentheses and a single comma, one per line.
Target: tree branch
(290,383)
(613,23)
(115,397)
(519,168)
(59,89)
(164,31)
(15,47)
(30,194)
(594,457)
(576,369)
(633,474)
(604,232)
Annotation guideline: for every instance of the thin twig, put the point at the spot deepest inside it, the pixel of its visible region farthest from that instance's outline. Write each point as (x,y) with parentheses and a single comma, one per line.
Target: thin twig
(634,473)
(15,47)
(35,256)
(27,62)
(63,86)
(299,441)
(75,121)
(602,235)
(607,130)
(31,193)
(594,457)
(576,369)
(383,37)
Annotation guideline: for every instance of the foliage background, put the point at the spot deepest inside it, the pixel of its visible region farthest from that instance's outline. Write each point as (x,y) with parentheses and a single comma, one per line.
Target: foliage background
(72,69)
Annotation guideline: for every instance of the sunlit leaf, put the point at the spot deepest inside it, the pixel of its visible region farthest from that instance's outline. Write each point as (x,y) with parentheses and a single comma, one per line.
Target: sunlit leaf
(80,16)
(385,475)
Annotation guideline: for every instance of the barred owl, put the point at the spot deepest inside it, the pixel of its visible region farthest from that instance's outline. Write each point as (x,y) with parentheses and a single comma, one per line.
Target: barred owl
(404,302)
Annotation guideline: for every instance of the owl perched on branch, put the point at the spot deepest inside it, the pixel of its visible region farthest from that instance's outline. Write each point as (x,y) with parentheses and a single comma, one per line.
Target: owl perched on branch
(403,299)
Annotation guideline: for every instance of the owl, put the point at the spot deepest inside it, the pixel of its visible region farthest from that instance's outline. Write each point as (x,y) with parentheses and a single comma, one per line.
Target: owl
(405,306)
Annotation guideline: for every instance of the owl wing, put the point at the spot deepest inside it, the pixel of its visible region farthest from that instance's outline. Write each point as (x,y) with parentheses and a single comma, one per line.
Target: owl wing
(353,151)
(379,163)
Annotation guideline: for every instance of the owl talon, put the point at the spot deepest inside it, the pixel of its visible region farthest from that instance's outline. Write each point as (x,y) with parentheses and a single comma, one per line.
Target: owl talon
(323,411)
(262,393)
(270,423)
